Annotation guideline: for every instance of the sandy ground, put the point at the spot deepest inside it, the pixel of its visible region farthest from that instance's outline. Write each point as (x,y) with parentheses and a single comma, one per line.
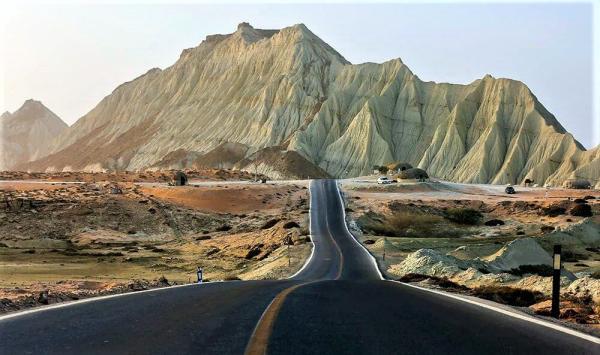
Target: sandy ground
(128,176)
(76,240)
(444,190)
(225,198)
(417,213)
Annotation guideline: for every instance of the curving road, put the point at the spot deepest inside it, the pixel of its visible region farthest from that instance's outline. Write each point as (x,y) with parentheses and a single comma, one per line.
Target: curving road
(336,304)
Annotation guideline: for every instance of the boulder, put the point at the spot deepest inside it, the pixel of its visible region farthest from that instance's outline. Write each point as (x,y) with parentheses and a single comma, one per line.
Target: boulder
(428,262)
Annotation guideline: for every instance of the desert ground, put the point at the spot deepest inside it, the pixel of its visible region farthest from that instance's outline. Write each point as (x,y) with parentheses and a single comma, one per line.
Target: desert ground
(67,236)
(478,240)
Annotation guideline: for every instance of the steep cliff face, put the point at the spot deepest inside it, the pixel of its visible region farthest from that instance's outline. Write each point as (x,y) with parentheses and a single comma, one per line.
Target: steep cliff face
(289,89)
(492,130)
(26,134)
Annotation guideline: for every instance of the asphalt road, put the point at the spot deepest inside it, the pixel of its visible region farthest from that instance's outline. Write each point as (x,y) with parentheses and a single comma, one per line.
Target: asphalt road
(336,304)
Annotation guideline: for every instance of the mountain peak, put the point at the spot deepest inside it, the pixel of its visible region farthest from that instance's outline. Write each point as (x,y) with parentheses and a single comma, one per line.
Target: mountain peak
(27,133)
(32,103)
(34,110)
(33,106)
(244,25)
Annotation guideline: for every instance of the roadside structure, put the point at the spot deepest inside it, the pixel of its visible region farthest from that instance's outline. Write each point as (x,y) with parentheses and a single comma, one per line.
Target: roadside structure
(180,179)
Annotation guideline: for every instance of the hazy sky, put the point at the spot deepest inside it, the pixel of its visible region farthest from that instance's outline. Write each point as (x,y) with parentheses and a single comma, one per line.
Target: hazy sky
(70,56)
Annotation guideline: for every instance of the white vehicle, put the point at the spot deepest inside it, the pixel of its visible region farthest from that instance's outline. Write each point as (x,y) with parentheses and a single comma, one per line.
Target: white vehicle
(384,180)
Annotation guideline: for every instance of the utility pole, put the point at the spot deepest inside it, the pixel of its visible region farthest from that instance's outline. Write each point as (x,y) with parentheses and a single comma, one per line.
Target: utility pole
(384,248)
(556,282)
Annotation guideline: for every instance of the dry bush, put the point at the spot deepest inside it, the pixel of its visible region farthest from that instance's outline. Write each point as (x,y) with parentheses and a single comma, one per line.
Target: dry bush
(467,216)
(408,224)
(553,211)
(581,210)
(439,281)
(541,270)
(509,295)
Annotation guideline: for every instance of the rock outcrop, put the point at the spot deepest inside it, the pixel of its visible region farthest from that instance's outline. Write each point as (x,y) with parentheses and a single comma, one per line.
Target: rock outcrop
(519,252)
(26,134)
(289,89)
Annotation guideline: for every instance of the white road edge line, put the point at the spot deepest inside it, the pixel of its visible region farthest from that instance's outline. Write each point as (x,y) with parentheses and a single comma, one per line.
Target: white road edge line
(92,299)
(312,252)
(352,235)
(514,314)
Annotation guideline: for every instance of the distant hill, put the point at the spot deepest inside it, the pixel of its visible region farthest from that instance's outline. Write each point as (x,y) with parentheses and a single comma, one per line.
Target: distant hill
(27,133)
(289,89)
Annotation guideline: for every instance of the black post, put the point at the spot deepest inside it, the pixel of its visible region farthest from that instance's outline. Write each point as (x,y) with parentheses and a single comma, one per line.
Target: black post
(556,283)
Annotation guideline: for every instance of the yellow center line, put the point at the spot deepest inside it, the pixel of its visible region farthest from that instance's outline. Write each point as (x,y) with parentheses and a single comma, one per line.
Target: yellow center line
(341,266)
(259,341)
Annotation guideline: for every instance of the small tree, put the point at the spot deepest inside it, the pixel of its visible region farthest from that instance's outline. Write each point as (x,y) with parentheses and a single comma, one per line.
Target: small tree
(383,169)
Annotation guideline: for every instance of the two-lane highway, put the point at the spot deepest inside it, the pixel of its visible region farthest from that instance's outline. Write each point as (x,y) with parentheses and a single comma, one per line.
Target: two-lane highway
(336,304)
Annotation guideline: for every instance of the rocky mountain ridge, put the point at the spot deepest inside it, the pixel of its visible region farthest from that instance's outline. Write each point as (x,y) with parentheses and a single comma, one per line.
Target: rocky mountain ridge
(287,88)
(27,133)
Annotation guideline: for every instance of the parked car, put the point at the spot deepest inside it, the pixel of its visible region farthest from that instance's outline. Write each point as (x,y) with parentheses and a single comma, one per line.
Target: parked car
(384,180)
(509,190)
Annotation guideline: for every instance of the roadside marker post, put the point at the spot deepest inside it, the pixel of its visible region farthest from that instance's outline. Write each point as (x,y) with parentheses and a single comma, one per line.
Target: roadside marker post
(556,282)
(199,273)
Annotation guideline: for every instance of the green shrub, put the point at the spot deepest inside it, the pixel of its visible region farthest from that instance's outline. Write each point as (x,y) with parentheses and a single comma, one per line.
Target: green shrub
(383,169)
(464,215)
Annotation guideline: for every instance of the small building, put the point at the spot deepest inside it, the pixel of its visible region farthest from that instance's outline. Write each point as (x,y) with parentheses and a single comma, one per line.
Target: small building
(413,174)
(180,179)
(577,184)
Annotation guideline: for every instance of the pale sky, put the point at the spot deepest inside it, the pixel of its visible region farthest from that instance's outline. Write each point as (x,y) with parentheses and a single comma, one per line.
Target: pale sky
(70,56)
